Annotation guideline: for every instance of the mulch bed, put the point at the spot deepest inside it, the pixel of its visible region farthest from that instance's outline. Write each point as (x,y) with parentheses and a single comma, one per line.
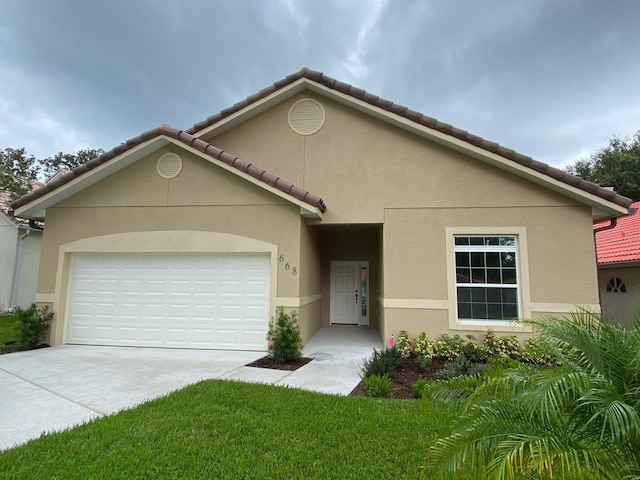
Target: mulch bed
(267,362)
(10,348)
(408,373)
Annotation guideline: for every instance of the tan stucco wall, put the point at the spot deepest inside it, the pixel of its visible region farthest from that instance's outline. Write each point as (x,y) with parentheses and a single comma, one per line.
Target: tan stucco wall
(137,199)
(368,172)
(615,304)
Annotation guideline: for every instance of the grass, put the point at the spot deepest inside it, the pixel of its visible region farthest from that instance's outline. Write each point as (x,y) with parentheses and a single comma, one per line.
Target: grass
(218,429)
(7,329)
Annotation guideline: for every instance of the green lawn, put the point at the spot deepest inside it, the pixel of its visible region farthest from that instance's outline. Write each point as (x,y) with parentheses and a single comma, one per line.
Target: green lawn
(7,326)
(218,429)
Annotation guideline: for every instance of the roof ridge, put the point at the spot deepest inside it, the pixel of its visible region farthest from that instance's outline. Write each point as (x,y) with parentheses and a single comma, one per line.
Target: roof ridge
(420,119)
(208,149)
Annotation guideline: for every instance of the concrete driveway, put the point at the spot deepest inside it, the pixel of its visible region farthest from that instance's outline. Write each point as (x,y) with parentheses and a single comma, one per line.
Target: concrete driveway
(59,387)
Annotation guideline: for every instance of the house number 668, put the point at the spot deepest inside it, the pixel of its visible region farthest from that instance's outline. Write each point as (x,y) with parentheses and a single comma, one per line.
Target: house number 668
(287,266)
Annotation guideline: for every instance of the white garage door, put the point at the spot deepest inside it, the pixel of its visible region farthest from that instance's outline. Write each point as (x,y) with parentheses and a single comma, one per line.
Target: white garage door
(181,301)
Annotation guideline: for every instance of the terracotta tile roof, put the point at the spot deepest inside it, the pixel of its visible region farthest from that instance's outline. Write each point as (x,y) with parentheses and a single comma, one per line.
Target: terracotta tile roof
(622,243)
(421,119)
(5,201)
(184,137)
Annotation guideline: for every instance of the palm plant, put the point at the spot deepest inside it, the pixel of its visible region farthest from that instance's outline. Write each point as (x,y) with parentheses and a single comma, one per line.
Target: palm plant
(580,420)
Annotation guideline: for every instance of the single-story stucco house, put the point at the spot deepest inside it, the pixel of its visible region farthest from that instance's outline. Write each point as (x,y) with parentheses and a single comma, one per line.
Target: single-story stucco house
(321,197)
(19,259)
(618,255)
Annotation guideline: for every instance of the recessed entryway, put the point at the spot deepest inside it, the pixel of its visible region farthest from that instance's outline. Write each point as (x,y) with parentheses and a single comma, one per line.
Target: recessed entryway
(349,293)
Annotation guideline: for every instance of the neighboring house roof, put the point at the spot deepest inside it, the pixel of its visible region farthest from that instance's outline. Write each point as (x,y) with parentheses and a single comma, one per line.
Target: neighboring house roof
(402,116)
(621,243)
(190,141)
(5,201)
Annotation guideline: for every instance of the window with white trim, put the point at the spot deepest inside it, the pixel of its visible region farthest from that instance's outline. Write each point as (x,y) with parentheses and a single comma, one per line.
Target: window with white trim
(486,277)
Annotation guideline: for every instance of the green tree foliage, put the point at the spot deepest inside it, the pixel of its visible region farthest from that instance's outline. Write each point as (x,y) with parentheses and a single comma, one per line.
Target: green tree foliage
(18,170)
(67,161)
(618,165)
(578,421)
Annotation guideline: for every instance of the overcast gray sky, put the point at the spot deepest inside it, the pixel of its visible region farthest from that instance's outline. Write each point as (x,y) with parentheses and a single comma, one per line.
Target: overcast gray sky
(550,78)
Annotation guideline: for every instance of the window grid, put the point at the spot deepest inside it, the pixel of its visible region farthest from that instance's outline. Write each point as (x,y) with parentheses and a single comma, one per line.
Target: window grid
(486,277)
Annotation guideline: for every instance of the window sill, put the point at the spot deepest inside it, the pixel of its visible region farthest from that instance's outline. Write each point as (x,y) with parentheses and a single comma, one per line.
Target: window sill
(495,325)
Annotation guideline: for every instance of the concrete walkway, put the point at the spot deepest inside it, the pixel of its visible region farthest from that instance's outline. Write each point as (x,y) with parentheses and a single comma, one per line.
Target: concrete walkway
(56,388)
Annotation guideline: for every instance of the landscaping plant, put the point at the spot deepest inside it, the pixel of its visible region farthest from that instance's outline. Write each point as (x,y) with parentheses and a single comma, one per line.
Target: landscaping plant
(378,386)
(382,362)
(285,341)
(579,420)
(32,325)
(404,344)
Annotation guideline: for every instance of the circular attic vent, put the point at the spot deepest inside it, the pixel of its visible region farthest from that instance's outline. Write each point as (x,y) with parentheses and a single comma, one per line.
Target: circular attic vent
(306,116)
(169,165)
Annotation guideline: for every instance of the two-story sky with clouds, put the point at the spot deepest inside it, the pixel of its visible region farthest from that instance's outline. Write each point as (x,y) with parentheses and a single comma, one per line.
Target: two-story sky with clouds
(552,79)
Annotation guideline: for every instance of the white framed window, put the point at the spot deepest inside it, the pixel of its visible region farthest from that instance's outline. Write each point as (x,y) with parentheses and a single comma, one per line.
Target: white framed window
(486,278)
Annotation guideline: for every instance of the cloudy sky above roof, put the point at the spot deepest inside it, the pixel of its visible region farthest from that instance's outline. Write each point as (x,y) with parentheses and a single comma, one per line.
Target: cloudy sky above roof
(551,79)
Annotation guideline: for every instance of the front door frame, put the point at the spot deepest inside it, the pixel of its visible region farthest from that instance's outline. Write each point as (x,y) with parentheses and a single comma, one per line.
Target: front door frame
(361,305)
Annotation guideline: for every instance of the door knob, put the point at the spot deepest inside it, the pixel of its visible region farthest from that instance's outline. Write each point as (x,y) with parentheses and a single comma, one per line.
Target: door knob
(356,296)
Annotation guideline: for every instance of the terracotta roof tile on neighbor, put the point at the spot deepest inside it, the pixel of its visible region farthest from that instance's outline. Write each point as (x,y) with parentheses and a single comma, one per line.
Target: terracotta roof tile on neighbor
(182,136)
(421,119)
(622,243)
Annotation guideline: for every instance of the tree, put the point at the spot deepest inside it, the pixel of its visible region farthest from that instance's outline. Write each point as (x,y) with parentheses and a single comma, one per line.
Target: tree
(67,161)
(617,165)
(18,170)
(578,421)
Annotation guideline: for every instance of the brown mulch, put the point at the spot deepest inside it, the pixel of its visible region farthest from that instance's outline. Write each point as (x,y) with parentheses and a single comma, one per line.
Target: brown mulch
(408,373)
(9,347)
(267,362)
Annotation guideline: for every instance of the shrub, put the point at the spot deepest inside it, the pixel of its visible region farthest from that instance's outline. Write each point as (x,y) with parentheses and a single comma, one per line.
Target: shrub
(382,362)
(424,345)
(404,344)
(378,385)
(506,346)
(285,341)
(538,351)
(449,347)
(421,387)
(424,362)
(32,325)
(454,368)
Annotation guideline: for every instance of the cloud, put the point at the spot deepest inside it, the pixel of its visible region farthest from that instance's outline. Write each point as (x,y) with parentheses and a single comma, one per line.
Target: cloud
(355,62)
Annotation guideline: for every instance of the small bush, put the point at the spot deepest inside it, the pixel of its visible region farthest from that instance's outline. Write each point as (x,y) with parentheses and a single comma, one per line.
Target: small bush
(378,385)
(454,368)
(32,325)
(421,387)
(506,346)
(285,341)
(382,362)
(449,347)
(424,345)
(404,344)
(424,362)
(538,352)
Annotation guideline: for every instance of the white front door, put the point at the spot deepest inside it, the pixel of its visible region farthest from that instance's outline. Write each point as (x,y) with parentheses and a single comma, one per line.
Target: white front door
(349,296)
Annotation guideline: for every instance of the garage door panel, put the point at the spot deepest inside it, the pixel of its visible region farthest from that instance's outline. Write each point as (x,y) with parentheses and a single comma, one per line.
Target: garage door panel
(190,301)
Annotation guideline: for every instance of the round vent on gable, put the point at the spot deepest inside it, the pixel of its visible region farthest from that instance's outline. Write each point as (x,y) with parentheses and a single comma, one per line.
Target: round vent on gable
(169,165)
(306,116)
